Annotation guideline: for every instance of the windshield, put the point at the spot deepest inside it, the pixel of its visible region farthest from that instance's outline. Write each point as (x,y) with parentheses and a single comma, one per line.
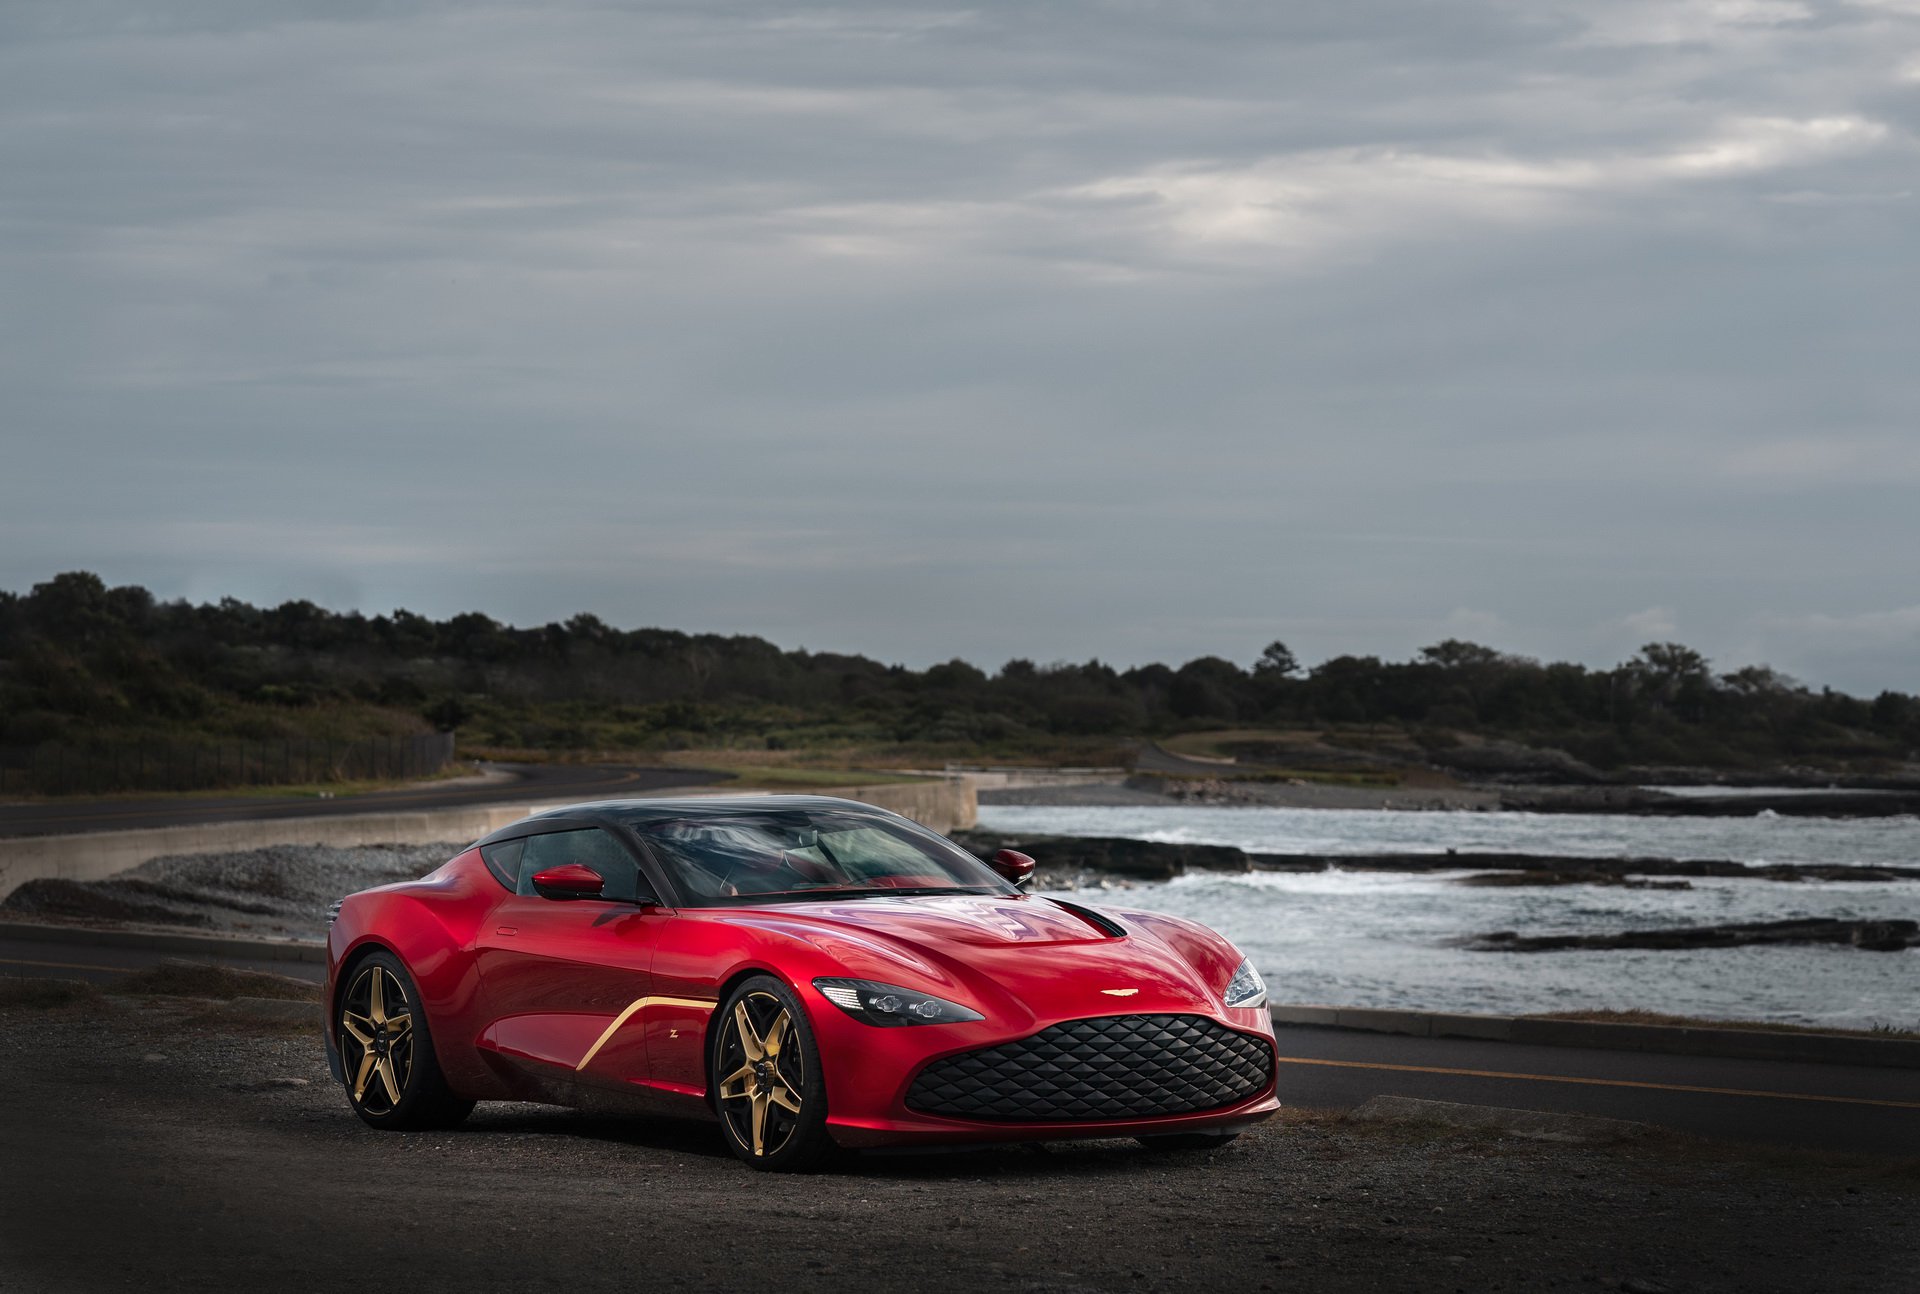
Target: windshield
(794,855)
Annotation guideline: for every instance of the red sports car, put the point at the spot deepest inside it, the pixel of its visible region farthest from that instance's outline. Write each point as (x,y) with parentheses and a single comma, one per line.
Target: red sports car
(810,971)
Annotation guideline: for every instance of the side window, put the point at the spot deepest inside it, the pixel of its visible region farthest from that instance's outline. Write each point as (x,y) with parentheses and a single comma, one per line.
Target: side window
(590,847)
(503,860)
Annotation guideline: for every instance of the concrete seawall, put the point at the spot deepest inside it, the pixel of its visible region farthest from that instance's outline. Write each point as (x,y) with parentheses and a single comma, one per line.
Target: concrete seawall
(947,805)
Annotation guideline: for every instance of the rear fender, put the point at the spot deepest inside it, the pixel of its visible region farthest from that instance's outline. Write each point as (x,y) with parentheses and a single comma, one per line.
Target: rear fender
(429,925)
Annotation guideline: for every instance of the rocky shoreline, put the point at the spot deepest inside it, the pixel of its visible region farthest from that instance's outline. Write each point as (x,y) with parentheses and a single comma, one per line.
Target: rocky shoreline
(1067,858)
(1645,803)
(283,891)
(1254,790)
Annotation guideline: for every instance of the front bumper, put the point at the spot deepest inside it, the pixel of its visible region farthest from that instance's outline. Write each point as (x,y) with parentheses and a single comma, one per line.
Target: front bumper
(1086,1077)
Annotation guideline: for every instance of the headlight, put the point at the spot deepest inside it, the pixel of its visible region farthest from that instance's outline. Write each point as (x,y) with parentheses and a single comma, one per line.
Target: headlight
(889,1004)
(1246,988)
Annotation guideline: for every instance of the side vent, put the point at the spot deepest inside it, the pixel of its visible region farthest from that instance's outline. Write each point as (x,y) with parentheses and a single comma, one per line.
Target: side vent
(1106,925)
(333,911)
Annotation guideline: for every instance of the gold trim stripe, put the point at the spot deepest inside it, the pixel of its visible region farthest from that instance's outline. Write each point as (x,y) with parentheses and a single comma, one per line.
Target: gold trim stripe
(640,1004)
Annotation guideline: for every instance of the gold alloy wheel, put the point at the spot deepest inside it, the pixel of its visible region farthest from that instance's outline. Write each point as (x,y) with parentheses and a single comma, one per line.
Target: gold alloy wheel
(760,1052)
(376,1039)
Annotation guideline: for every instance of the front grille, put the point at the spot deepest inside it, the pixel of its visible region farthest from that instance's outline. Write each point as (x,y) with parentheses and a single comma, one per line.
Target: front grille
(1111,1067)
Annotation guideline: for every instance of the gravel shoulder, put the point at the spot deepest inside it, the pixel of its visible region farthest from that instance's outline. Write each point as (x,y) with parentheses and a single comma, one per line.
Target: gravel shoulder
(281,891)
(158,1143)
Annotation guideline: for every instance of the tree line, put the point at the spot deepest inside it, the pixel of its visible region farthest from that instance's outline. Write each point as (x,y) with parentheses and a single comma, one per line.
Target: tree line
(82,660)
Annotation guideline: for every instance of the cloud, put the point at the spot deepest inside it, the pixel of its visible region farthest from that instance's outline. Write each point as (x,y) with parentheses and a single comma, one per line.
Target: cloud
(1310,202)
(1652,624)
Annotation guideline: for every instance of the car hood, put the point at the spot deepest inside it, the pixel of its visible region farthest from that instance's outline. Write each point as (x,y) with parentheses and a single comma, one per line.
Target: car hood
(1019,955)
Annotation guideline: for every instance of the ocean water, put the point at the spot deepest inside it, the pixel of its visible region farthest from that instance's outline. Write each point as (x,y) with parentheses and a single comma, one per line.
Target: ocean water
(1387,939)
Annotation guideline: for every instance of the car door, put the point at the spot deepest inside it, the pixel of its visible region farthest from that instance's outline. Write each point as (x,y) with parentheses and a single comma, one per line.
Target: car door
(560,978)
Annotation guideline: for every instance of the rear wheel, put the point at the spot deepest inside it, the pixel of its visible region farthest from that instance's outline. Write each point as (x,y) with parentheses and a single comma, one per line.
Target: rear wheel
(392,1079)
(1188,1140)
(766,1079)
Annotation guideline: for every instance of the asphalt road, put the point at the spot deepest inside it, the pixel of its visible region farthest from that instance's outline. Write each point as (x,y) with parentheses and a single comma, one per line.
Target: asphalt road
(1823,1107)
(102,965)
(524,781)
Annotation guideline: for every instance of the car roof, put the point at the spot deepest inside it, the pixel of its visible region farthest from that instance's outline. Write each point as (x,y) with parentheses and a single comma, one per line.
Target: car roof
(638,813)
(703,805)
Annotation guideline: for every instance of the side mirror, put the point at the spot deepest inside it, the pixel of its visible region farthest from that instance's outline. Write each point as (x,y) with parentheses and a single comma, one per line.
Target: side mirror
(1013,865)
(568,881)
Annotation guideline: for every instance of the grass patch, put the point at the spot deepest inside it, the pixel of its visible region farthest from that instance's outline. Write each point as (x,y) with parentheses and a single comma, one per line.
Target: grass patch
(755,778)
(1212,743)
(1697,1022)
(205,979)
(783,771)
(38,994)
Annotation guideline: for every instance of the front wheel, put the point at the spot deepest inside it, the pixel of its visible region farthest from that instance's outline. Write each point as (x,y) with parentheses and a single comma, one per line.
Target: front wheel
(767,1086)
(393,1081)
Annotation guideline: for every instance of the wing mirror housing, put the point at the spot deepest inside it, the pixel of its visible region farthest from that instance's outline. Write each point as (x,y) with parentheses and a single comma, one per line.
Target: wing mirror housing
(1013,865)
(568,881)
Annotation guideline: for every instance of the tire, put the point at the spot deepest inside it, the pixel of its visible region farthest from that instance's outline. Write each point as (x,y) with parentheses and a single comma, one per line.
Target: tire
(393,1082)
(765,1063)
(1188,1140)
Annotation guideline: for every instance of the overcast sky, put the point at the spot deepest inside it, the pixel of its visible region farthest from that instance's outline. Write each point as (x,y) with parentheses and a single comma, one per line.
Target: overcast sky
(1052,330)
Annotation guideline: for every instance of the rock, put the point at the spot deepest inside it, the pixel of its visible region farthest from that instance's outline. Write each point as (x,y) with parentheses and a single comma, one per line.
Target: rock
(272,1008)
(1571,877)
(1884,936)
(278,1084)
(1638,800)
(1585,867)
(1870,936)
(1140,859)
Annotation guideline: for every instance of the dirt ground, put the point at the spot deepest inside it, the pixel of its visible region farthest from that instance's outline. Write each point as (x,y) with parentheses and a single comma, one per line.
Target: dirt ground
(168,1144)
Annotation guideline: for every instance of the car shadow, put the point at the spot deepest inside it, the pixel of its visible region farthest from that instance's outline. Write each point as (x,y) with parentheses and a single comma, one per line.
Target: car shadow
(1029,1160)
(682,1136)
(703,1140)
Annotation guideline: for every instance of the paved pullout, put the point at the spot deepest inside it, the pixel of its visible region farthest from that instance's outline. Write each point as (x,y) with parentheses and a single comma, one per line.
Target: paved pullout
(530,782)
(157,1145)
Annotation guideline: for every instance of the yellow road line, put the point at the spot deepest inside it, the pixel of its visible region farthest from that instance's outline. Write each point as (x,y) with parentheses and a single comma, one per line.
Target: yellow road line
(1599,1082)
(24,961)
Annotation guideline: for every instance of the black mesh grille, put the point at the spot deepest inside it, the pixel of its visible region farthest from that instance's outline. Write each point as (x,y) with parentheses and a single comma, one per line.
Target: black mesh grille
(1113,1067)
